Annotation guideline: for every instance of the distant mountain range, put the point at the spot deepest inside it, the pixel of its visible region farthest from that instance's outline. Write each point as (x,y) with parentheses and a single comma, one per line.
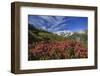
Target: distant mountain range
(69,33)
(64,33)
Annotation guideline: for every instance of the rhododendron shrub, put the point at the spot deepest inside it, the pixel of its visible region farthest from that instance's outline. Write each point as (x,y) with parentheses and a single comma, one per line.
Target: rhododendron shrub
(67,49)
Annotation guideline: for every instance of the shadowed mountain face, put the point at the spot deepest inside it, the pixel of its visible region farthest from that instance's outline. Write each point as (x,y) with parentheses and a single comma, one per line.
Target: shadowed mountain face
(58,23)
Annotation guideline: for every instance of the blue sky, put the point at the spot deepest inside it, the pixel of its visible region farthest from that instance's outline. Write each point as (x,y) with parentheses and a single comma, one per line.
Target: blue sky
(59,23)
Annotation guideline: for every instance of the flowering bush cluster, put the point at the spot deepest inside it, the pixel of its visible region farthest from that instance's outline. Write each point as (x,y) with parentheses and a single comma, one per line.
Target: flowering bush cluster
(68,49)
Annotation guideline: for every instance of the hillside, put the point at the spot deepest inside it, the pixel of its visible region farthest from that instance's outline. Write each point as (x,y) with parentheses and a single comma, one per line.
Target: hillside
(44,45)
(36,35)
(79,37)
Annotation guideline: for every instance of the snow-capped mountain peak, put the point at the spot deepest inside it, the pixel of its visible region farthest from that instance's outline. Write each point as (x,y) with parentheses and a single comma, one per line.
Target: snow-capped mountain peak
(64,33)
(81,32)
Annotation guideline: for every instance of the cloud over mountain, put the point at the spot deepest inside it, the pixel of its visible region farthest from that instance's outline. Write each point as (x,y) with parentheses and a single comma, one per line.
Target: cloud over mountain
(58,23)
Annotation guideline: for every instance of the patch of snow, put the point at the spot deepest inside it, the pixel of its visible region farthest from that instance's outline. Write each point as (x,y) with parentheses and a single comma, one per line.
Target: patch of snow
(64,33)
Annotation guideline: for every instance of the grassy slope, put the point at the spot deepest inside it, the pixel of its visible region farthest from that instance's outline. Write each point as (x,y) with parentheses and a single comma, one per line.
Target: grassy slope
(36,35)
(83,38)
